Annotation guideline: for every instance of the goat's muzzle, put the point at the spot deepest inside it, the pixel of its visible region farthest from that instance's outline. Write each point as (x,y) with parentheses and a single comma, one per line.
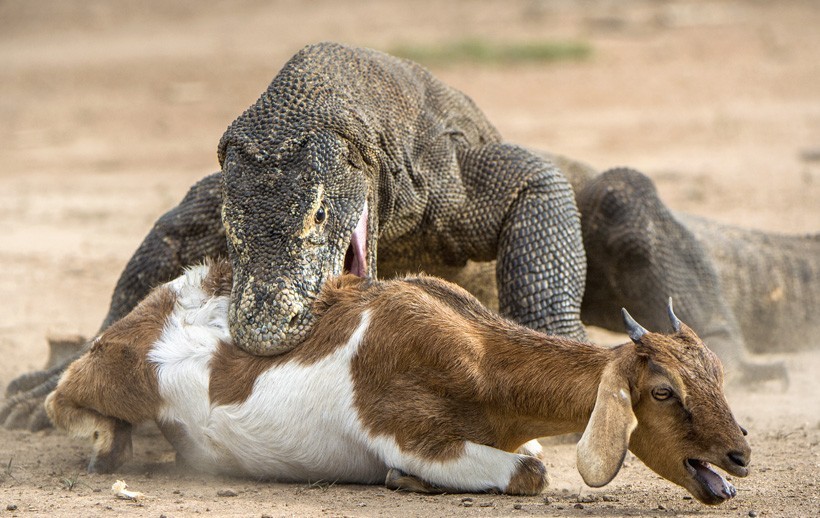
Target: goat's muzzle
(714,488)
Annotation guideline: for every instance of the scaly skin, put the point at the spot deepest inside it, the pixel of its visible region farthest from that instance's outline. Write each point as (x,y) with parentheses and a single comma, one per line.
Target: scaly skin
(339,127)
(344,133)
(770,281)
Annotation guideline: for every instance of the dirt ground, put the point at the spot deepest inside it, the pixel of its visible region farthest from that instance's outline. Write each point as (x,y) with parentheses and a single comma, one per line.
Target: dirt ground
(110,110)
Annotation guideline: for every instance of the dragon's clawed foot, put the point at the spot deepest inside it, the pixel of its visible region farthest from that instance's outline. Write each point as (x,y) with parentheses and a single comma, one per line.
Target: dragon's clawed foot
(23,405)
(24,409)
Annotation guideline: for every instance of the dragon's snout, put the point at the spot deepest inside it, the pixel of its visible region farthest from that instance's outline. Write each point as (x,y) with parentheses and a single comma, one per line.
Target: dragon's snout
(267,319)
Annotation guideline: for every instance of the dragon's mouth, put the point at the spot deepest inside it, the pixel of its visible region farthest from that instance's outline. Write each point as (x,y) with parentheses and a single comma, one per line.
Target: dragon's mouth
(356,255)
(715,488)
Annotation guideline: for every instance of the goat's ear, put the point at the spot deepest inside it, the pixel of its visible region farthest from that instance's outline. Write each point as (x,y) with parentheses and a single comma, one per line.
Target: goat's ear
(602,448)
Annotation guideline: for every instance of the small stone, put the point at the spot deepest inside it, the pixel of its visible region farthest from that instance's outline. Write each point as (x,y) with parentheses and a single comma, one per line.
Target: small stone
(518,506)
(466,499)
(661,507)
(547,500)
(11,507)
(578,506)
(226,492)
(687,497)
(361,504)
(467,503)
(487,504)
(752,514)
(609,498)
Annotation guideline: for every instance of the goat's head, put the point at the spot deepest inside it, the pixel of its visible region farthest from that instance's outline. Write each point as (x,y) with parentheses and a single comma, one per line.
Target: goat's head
(665,403)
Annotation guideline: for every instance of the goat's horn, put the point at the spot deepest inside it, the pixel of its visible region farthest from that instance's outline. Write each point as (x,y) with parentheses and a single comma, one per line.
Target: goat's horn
(633,329)
(672,317)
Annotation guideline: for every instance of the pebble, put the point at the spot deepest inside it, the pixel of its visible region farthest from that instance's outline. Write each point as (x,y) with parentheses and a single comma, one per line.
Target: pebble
(518,506)
(487,504)
(578,506)
(752,514)
(226,492)
(609,498)
(11,507)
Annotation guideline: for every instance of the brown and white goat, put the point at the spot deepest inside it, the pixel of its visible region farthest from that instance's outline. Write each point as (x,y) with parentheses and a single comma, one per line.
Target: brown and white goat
(409,380)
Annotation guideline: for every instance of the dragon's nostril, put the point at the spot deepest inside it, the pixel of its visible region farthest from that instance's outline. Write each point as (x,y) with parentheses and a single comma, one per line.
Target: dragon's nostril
(293,320)
(738,458)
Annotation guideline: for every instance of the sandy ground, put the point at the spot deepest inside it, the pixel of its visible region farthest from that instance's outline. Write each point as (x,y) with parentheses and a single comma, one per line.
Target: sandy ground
(109,111)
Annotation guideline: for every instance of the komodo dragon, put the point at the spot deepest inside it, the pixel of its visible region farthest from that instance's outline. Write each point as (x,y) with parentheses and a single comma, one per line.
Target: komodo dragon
(353,160)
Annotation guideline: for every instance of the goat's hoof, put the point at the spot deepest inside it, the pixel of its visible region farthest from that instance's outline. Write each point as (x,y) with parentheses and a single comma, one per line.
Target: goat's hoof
(400,481)
(530,479)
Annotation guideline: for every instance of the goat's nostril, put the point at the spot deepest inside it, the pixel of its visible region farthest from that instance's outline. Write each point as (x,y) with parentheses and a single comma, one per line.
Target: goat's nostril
(738,458)
(745,431)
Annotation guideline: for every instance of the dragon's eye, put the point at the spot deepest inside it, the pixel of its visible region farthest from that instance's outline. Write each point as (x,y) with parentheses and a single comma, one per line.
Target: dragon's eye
(661,393)
(320,215)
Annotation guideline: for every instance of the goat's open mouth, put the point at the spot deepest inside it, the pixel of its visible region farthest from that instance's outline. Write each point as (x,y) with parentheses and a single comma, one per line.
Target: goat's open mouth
(356,255)
(717,489)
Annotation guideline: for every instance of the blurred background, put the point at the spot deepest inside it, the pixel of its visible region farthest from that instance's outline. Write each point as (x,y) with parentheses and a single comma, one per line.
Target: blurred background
(110,110)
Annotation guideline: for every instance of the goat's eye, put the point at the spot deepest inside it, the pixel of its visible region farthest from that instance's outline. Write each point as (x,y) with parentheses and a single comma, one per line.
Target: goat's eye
(661,393)
(321,215)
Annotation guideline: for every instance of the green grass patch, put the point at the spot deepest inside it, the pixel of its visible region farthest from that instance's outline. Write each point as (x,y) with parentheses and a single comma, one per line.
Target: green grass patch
(477,51)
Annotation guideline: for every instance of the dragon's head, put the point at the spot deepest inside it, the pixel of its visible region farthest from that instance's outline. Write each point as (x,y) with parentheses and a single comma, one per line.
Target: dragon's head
(295,215)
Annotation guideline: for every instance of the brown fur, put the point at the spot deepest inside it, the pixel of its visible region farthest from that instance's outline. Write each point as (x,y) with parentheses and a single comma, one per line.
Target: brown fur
(234,372)
(436,369)
(113,384)
(446,364)
(117,364)
(219,281)
(530,479)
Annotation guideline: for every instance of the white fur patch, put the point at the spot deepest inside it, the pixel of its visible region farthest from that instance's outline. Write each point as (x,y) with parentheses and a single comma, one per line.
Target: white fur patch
(298,423)
(478,468)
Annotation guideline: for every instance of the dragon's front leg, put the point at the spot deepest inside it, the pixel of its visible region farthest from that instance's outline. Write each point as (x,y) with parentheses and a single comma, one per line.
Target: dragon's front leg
(526,208)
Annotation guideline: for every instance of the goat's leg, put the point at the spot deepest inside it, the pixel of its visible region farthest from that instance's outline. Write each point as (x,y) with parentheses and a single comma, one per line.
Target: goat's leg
(479,468)
(111,438)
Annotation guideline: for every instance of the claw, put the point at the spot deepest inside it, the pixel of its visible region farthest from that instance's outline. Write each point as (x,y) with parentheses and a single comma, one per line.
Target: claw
(25,409)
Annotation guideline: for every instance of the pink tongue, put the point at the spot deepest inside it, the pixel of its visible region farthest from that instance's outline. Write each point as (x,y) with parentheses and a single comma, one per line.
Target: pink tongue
(359,243)
(717,484)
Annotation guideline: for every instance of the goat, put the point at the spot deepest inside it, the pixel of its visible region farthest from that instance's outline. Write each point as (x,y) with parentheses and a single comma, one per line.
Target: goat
(411,382)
